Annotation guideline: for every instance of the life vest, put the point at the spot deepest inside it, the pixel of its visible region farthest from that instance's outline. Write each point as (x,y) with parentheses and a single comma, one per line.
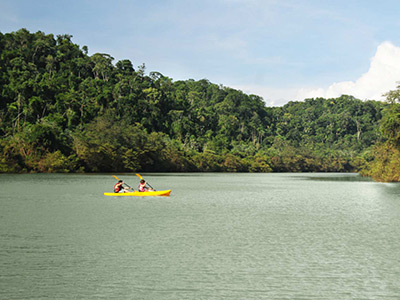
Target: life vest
(117,187)
(141,188)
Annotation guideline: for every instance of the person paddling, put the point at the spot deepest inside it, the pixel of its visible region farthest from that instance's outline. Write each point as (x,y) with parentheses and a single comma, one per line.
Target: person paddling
(118,188)
(142,186)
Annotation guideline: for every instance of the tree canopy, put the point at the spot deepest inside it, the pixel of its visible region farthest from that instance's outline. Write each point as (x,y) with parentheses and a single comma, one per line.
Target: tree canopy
(62,110)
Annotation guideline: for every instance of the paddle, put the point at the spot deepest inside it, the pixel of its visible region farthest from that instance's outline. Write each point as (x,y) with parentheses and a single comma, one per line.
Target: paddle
(138,175)
(124,183)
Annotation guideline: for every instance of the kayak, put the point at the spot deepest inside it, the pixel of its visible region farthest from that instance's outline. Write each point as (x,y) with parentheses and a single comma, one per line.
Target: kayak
(141,194)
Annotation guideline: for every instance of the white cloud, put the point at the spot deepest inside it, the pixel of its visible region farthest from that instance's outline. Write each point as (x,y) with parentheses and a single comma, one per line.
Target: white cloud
(383,75)
(271,96)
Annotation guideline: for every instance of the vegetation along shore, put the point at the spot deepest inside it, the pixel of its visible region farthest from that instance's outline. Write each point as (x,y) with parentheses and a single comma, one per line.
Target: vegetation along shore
(62,110)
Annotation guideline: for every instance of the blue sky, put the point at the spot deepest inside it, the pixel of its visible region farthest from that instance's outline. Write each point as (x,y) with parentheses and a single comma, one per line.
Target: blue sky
(281,50)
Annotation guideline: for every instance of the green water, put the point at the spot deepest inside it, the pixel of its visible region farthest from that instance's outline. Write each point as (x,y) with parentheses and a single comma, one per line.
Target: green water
(218,236)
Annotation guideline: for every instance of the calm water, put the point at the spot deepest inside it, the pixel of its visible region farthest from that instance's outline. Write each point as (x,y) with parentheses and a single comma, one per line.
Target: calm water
(218,236)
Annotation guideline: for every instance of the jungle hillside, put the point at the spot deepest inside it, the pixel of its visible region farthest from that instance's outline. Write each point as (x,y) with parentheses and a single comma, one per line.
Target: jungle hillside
(63,110)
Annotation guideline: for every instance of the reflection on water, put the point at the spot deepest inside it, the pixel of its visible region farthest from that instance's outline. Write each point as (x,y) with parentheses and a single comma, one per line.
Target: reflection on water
(233,236)
(335,177)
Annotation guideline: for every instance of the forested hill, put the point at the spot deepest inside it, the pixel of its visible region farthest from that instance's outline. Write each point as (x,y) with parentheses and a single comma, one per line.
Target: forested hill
(62,110)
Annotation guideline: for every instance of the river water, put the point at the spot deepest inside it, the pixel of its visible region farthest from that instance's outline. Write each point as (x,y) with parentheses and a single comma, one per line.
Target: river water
(218,236)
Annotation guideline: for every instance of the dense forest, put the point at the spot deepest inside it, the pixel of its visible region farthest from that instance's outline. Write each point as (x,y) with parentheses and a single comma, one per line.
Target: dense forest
(62,110)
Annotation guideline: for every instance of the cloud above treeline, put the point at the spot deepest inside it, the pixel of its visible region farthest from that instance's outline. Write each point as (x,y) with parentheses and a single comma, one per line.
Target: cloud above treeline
(383,75)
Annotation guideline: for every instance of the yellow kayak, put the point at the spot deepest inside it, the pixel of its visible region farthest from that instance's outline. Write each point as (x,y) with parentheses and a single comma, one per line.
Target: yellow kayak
(141,194)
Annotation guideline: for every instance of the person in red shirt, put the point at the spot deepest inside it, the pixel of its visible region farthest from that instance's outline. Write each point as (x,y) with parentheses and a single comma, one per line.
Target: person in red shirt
(119,188)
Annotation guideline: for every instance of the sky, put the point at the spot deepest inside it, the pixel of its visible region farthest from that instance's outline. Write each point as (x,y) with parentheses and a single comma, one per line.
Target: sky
(281,50)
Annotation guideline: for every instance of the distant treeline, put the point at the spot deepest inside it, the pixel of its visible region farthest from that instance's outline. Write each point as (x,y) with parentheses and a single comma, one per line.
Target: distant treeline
(62,110)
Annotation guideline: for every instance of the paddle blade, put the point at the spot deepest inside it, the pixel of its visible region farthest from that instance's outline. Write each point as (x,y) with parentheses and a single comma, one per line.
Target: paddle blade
(115,177)
(138,175)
